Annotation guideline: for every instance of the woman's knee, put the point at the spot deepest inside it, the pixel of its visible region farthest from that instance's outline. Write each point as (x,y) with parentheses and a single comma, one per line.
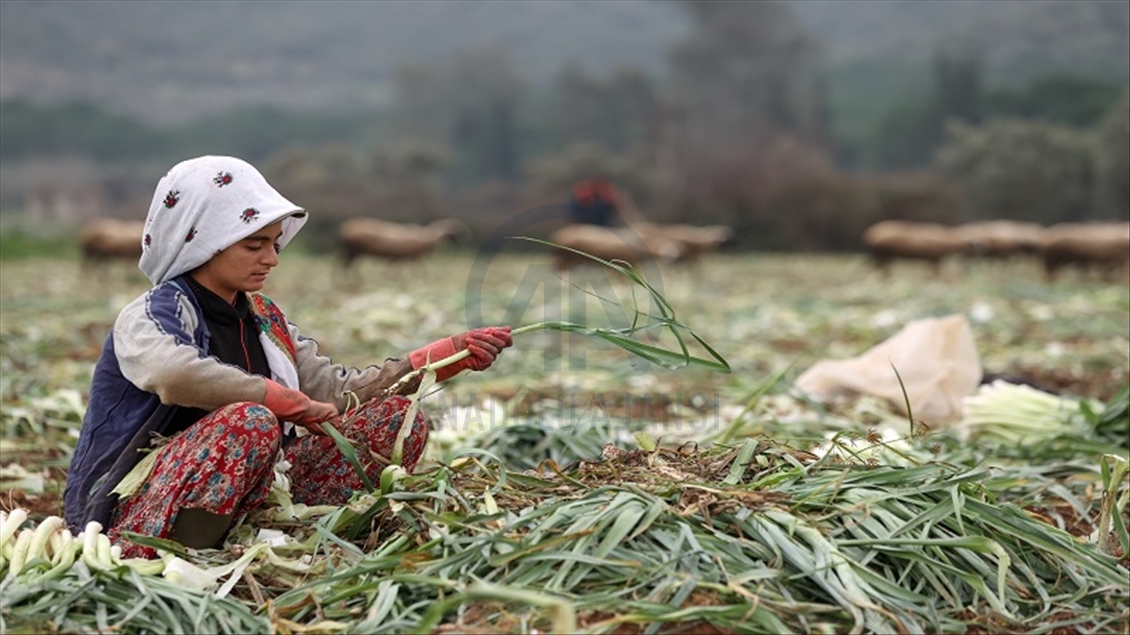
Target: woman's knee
(253,426)
(391,411)
(398,405)
(386,419)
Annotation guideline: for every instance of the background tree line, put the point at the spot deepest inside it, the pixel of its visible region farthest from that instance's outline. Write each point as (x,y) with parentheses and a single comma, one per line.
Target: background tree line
(737,130)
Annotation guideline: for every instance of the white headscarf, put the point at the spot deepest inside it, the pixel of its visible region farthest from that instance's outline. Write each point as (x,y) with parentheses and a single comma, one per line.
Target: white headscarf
(205,205)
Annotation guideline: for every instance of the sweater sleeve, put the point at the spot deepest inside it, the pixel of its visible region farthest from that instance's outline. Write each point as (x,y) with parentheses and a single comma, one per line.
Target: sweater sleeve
(156,352)
(321,379)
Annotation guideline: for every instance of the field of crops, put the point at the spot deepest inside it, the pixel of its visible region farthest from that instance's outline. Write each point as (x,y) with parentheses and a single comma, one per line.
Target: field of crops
(574,488)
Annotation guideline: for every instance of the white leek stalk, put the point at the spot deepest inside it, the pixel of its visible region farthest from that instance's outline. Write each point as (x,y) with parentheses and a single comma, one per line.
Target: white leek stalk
(49,527)
(94,554)
(182,572)
(49,550)
(10,523)
(1019,415)
(20,551)
(188,575)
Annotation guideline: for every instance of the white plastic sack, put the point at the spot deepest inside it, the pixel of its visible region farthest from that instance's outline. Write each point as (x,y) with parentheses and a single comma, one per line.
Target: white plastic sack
(936,359)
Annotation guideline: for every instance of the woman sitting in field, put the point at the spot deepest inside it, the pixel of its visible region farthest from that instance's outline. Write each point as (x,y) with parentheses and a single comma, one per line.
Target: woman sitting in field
(215,373)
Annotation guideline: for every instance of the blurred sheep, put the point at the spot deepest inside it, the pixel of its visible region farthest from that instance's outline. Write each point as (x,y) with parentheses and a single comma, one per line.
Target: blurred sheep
(890,240)
(386,240)
(612,243)
(107,239)
(1000,239)
(1104,247)
(692,240)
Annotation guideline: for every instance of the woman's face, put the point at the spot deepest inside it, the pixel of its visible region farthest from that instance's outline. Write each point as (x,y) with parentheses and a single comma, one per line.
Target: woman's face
(243,266)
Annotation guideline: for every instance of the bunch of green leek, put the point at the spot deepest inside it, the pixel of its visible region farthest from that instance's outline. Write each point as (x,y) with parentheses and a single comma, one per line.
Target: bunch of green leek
(1019,415)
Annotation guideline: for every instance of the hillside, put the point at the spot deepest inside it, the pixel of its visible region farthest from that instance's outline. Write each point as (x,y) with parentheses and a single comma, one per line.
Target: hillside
(172,60)
(1018,40)
(879,51)
(178,59)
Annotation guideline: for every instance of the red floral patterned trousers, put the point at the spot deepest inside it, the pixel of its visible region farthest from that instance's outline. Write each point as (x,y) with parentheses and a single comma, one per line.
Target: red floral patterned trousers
(224,464)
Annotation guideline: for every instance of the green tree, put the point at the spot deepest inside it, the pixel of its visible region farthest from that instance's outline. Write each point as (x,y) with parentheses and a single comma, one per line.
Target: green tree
(958,77)
(1069,99)
(255,132)
(470,103)
(745,101)
(1025,170)
(77,129)
(1112,161)
(910,132)
(619,114)
(582,107)
(746,66)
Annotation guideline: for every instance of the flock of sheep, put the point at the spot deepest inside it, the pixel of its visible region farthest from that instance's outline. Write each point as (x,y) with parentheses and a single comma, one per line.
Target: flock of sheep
(1099,246)
(1103,246)
(106,239)
(642,241)
(109,239)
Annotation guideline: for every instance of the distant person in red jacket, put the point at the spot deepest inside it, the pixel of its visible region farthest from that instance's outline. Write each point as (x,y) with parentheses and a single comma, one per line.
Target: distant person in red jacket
(595,201)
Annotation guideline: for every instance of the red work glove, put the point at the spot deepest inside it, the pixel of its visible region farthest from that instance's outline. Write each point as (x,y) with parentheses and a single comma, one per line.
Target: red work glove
(484,343)
(294,406)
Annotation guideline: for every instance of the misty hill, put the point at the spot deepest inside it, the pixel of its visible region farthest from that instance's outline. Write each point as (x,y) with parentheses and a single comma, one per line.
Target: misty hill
(1018,40)
(172,60)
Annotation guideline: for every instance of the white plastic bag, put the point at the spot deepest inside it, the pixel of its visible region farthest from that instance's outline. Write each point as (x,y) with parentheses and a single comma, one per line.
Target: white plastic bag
(936,359)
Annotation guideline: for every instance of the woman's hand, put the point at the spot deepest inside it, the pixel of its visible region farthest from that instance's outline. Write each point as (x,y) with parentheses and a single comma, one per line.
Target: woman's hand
(294,406)
(485,344)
